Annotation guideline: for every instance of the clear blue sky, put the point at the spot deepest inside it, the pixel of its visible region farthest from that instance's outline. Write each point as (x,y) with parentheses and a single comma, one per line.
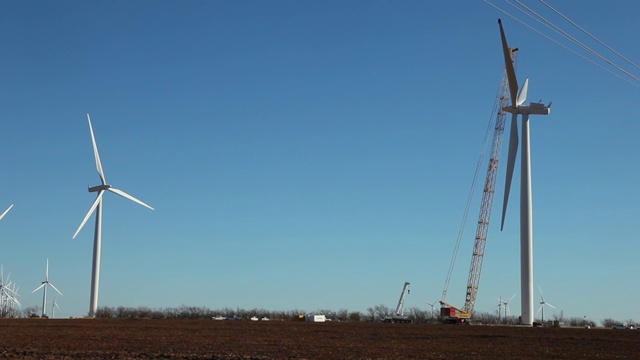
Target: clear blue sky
(308,155)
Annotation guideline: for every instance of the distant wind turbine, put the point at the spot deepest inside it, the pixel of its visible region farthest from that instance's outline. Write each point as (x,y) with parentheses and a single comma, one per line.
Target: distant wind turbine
(432,306)
(542,304)
(506,306)
(54,305)
(97,207)
(44,286)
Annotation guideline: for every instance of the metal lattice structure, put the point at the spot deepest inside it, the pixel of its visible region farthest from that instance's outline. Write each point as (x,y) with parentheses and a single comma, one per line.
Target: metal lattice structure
(487,198)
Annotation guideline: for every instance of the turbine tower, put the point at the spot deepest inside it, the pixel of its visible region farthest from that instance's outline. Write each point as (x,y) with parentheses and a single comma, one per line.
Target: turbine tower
(526,209)
(97,207)
(44,285)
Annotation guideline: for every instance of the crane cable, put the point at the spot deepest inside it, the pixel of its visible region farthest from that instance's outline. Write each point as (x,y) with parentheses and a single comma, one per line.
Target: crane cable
(471,192)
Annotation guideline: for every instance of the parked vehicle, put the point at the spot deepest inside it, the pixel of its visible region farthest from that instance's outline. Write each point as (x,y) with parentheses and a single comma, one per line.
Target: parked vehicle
(620,327)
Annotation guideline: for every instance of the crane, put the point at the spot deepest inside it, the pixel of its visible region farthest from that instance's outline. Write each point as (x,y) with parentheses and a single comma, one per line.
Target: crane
(398,316)
(448,312)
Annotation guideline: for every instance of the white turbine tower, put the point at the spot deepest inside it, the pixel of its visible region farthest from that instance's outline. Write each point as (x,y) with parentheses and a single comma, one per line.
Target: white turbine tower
(5,212)
(526,209)
(97,207)
(44,285)
(542,304)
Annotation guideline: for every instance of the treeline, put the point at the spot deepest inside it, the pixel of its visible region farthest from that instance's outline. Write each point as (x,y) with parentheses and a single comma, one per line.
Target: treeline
(375,313)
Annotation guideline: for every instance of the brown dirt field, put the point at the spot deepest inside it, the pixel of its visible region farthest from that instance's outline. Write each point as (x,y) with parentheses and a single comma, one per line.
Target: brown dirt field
(208,339)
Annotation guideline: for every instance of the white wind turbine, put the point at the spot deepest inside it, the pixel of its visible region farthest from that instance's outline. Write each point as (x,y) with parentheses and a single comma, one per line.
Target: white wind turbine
(8,295)
(542,304)
(46,283)
(54,305)
(499,306)
(432,305)
(97,207)
(526,209)
(506,306)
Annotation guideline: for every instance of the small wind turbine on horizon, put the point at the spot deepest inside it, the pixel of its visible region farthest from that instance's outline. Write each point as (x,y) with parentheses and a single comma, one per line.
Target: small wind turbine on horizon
(506,306)
(542,304)
(8,295)
(97,207)
(526,208)
(46,283)
(499,306)
(54,305)
(432,305)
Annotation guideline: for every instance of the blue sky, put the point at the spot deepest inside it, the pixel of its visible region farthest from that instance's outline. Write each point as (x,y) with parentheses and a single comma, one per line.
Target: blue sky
(308,155)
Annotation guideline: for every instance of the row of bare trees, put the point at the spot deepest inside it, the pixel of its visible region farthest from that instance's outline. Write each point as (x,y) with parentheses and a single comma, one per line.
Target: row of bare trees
(375,313)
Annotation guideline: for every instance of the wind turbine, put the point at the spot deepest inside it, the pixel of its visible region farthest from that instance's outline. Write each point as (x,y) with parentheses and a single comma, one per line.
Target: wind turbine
(499,306)
(506,306)
(5,212)
(432,305)
(542,304)
(44,285)
(97,207)
(54,305)
(526,209)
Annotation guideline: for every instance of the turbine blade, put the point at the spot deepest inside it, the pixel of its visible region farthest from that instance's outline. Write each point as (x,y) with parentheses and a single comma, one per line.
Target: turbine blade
(96,154)
(5,212)
(39,287)
(514,295)
(550,305)
(54,288)
(511,71)
(91,210)
(539,309)
(46,272)
(127,196)
(511,162)
(522,97)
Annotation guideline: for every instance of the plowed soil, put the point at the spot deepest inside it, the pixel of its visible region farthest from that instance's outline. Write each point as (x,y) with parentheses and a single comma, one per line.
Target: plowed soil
(208,339)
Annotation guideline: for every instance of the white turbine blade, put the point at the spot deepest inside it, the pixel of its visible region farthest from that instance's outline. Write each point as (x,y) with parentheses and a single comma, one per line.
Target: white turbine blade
(96,154)
(127,196)
(541,295)
(522,97)
(550,305)
(511,71)
(46,272)
(54,288)
(91,210)
(511,162)
(5,212)
(39,287)
(539,309)
(514,295)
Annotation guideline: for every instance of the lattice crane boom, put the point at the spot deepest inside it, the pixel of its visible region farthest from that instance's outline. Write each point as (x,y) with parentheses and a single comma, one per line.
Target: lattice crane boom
(449,311)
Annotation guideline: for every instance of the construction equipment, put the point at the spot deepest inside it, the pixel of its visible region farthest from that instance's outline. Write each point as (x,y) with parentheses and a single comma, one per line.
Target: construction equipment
(399,317)
(448,312)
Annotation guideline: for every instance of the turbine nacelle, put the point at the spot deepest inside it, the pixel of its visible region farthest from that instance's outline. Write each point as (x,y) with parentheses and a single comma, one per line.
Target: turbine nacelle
(531,109)
(99,188)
